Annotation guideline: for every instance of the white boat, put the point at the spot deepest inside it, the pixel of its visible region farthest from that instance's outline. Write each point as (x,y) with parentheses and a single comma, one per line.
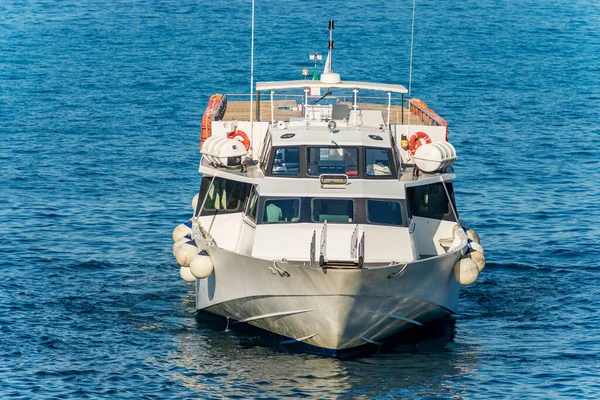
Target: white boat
(326,213)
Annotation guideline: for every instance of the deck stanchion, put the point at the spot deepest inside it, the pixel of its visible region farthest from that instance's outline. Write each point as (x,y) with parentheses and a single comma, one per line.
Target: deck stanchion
(402,108)
(305,108)
(257,105)
(272,108)
(355,107)
(389,107)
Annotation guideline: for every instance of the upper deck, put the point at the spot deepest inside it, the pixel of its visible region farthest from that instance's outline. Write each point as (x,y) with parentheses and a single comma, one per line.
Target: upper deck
(298,128)
(290,108)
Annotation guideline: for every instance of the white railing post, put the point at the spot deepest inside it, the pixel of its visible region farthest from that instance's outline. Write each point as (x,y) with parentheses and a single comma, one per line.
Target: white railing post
(272,108)
(389,108)
(305,106)
(355,107)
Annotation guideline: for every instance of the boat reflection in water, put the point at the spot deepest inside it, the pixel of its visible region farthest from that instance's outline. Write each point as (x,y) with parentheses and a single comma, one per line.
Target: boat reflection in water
(217,358)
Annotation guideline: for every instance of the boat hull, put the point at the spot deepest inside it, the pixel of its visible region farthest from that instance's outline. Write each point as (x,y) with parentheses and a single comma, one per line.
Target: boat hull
(329,308)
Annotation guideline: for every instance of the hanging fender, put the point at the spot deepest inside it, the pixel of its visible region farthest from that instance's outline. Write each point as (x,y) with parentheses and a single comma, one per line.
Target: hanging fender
(415,141)
(241,137)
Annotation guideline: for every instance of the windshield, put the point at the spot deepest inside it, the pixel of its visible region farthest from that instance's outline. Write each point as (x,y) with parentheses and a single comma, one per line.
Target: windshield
(332,160)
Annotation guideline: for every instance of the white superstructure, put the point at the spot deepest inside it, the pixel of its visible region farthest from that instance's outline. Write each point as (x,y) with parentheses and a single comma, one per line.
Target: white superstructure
(327,218)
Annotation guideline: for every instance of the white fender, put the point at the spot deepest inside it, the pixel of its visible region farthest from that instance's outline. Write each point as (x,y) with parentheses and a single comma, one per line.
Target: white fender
(201,266)
(473,235)
(465,271)
(181,230)
(479,259)
(185,253)
(186,274)
(179,243)
(476,247)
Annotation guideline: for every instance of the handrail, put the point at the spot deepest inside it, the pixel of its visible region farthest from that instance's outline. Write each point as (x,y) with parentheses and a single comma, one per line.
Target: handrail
(419,108)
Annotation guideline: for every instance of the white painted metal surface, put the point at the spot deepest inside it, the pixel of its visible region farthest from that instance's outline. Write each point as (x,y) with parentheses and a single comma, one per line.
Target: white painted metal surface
(376,279)
(262,86)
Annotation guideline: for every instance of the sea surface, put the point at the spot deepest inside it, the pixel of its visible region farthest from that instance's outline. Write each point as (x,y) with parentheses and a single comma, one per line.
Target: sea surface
(100,107)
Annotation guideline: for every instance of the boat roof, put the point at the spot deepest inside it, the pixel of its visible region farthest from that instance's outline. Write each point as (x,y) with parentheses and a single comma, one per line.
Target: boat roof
(301,84)
(316,136)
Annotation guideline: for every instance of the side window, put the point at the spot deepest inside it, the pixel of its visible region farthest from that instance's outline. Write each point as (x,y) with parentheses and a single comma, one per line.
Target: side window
(223,194)
(333,210)
(286,161)
(266,153)
(430,201)
(252,205)
(332,160)
(384,212)
(281,210)
(378,162)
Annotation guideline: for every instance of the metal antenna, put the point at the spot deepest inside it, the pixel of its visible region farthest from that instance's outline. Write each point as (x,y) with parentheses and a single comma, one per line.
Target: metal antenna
(412,37)
(328,63)
(252,78)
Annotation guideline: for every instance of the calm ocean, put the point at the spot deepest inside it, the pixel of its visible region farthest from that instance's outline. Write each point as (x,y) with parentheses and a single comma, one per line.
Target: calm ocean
(100,107)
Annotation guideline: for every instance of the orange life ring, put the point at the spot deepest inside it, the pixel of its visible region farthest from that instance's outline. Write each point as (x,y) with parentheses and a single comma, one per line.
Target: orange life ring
(241,137)
(415,141)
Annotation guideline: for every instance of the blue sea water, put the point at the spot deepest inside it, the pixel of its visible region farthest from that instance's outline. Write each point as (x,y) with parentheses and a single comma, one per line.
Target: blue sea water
(100,107)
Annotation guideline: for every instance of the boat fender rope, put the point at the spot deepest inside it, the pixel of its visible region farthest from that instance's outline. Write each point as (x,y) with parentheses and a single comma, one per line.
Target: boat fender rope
(399,272)
(415,141)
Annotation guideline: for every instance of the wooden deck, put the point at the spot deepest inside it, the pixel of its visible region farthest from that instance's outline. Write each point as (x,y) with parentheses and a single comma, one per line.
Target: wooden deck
(285,109)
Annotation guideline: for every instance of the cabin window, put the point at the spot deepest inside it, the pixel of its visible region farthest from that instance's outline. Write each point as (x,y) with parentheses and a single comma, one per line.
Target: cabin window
(430,201)
(281,210)
(378,162)
(332,160)
(222,194)
(252,205)
(286,161)
(384,212)
(333,210)
(266,153)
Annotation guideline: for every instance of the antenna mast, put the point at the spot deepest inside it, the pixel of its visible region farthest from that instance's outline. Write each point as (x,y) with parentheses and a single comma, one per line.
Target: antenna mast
(412,38)
(252,78)
(328,75)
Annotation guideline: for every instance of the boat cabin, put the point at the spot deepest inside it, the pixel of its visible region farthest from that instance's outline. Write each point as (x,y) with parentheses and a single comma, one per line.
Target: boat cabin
(320,161)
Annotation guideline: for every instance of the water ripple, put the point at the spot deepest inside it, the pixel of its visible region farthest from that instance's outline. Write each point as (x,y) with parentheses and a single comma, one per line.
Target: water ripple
(100,104)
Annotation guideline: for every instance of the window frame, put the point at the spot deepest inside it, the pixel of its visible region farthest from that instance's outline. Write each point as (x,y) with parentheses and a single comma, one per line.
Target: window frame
(267,151)
(271,161)
(344,149)
(368,200)
(263,202)
(451,203)
(243,193)
(312,202)
(253,192)
(267,164)
(393,171)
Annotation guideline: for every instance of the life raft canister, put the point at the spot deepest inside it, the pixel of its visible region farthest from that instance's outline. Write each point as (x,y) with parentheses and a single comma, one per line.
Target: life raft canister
(241,137)
(214,110)
(415,141)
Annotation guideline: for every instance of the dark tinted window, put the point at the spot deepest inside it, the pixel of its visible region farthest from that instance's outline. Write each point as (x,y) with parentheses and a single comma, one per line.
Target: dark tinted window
(222,194)
(281,210)
(286,161)
(332,160)
(384,212)
(333,210)
(252,205)
(430,201)
(378,162)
